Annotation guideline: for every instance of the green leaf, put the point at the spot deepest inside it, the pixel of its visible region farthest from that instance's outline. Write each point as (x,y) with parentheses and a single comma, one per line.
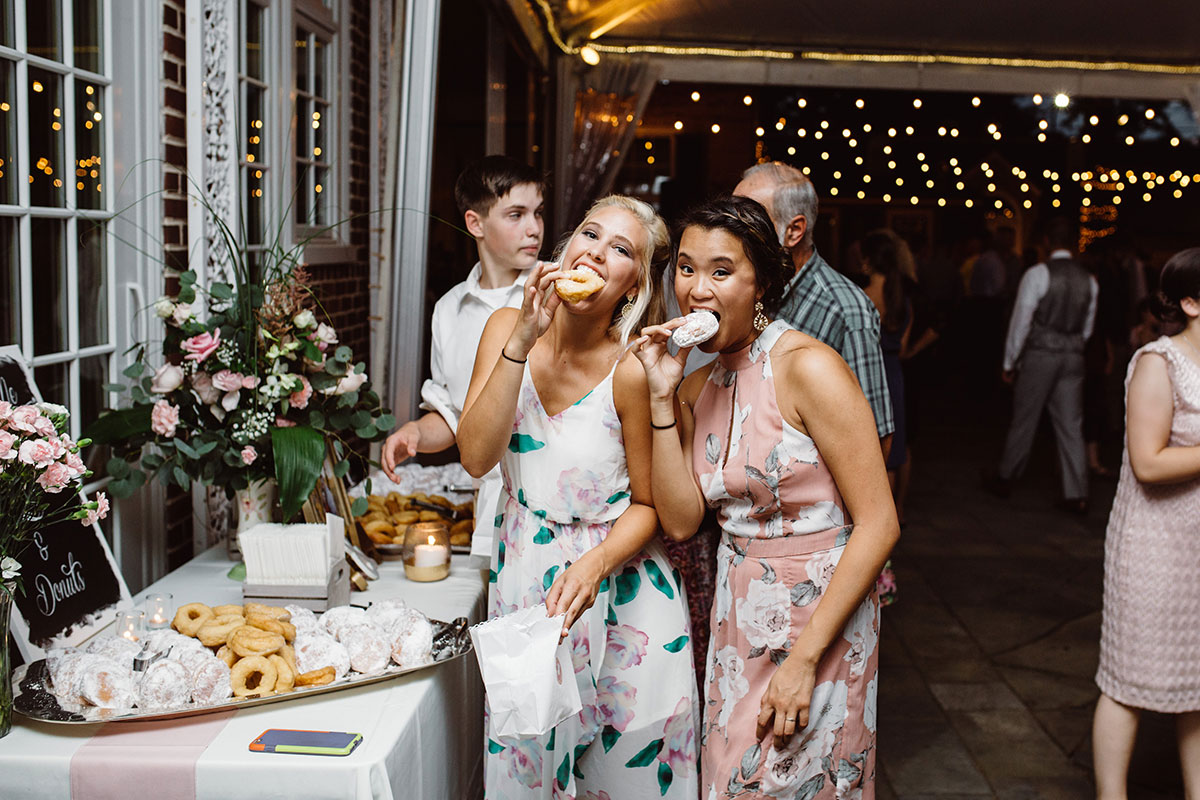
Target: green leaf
(118,468)
(548,578)
(134,370)
(553,737)
(341,468)
(120,426)
(385,422)
(360,418)
(187,278)
(675,645)
(120,489)
(359,506)
(181,478)
(611,617)
(238,571)
(298,454)
(543,536)
(616,497)
(316,419)
(221,291)
(564,772)
(665,776)
(366,432)
(187,294)
(204,448)
(334,369)
(115,388)
(343,353)
(609,736)
(658,580)
(645,757)
(523,443)
(628,583)
(311,352)
(495,747)
(186,449)
(138,394)
(339,420)
(580,749)
(151,461)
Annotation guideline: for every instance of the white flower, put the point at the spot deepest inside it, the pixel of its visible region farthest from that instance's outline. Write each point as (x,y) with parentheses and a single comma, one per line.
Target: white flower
(764,614)
(862,634)
(182,313)
(168,378)
(164,308)
(9,568)
(326,334)
(304,319)
(732,684)
(52,409)
(351,383)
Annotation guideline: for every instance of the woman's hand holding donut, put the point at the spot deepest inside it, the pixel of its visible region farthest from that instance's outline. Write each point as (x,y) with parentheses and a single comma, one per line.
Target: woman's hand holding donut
(664,371)
(785,704)
(574,590)
(537,310)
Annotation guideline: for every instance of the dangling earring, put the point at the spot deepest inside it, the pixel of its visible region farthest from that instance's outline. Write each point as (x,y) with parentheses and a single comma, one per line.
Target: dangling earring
(627,309)
(760,319)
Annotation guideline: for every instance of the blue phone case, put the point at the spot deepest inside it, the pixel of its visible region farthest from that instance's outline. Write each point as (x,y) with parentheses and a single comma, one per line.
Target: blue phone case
(315,743)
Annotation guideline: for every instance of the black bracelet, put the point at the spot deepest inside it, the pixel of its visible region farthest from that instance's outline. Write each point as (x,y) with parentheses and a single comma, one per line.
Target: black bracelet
(510,358)
(662,427)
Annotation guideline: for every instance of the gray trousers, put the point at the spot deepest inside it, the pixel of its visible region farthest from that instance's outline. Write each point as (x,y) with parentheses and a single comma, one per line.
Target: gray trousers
(1054,381)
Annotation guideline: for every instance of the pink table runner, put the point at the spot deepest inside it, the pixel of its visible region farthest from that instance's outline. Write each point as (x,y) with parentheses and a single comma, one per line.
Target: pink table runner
(128,758)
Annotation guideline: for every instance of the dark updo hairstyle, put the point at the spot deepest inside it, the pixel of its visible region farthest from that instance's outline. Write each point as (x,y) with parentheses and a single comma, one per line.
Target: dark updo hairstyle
(881,249)
(748,222)
(1179,280)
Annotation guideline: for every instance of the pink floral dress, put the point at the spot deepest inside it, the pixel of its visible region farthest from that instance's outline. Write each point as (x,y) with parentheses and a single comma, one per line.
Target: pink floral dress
(784,528)
(565,484)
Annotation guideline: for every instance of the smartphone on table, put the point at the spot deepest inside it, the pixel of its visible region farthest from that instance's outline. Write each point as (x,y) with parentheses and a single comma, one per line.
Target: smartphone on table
(313,743)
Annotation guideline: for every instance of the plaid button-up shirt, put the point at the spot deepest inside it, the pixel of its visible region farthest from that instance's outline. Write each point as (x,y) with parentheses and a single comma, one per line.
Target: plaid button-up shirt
(825,304)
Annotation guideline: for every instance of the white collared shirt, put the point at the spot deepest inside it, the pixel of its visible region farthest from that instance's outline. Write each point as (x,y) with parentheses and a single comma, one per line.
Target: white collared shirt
(1034,285)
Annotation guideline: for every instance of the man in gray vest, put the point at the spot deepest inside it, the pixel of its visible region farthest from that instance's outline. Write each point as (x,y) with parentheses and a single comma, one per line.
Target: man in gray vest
(1053,316)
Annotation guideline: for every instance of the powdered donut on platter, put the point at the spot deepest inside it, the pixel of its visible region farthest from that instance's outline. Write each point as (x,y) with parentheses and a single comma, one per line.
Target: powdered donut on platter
(412,640)
(210,682)
(697,327)
(106,684)
(368,646)
(165,684)
(118,648)
(333,619)
(386,613)
(303,618)
(66,674)
(317,650)
(164,640)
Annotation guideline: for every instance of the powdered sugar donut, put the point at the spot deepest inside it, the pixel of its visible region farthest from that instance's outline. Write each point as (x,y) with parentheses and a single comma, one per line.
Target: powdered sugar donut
(210,682)
(66,673)
(369,648)
(165,684)
(697,327)
(166,639)
(333,619)
(317,650)
(303,618)
(387,613)
(107,684)
(118,648)
(412,640)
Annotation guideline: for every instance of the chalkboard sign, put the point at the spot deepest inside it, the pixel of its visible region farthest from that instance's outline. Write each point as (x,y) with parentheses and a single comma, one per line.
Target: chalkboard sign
(16,381)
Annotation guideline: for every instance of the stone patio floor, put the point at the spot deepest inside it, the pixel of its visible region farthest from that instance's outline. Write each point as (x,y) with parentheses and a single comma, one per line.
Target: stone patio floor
(986,661)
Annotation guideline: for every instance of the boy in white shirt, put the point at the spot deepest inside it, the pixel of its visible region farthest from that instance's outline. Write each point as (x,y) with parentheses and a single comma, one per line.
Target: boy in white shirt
(500,199)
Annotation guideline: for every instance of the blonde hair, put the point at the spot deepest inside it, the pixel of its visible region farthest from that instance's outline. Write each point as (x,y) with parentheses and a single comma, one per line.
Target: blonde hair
(648,307)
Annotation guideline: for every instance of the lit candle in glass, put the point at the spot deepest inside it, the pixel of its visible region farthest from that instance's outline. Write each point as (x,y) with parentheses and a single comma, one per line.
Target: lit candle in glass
(158,611)
(426,551)
(129,625)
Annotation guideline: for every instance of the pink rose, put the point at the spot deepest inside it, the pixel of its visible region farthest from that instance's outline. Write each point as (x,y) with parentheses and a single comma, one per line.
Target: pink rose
(326,335)
(97,513)
(284,422)
(680,733)
(615,701)
(36,452)
(203,386)
(7,451)
(164,418)
(55,478)
(227,381)
(201,346)
(250,381)
(299,399)
(22,419)
(168,378)
(625,648)
(249,454)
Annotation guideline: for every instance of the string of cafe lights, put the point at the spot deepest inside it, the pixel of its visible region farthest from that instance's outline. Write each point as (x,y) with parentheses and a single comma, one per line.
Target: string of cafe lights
(86,168)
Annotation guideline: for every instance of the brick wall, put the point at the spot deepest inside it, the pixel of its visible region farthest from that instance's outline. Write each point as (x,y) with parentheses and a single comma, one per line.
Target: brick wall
(174,235)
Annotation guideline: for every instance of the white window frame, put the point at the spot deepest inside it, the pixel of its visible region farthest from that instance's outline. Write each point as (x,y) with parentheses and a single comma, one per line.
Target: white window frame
(272,220)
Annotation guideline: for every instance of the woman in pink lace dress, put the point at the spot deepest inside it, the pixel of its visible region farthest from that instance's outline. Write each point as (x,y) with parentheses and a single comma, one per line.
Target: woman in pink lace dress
(777,436)
(1150,637)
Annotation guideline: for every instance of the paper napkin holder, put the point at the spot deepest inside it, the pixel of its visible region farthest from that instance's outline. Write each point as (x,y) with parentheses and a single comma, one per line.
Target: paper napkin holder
(314,596)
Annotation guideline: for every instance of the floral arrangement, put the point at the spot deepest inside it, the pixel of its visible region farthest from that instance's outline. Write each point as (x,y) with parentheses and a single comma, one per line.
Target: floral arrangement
(41,472)
(251,390)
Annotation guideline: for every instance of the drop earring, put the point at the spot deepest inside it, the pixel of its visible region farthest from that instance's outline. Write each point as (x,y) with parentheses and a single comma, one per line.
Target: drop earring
(627,309)
(760,319)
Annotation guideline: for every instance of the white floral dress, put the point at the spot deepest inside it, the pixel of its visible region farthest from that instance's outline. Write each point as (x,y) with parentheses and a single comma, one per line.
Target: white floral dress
(783,530)
(565,483)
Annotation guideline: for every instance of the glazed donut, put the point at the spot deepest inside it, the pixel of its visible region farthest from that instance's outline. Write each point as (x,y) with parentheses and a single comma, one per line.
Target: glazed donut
(247,641)
(318,677)
(215,632)
(253,675)
(228,609)
(289,655)
(285,629)
(211,682)
(190,618)
(274,612)
(164,685)
(286,679)
(576,284)
(107,684)
(368,647)
(227,655)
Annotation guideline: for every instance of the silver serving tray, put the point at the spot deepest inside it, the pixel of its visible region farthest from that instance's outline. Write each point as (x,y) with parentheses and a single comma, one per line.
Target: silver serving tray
(33,699)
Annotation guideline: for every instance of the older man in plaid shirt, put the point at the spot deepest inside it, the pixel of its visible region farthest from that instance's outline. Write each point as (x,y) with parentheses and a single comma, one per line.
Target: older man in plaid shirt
(819,300)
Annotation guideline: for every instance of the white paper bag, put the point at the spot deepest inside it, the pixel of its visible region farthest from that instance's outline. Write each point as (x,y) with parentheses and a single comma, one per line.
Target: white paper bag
(528,674)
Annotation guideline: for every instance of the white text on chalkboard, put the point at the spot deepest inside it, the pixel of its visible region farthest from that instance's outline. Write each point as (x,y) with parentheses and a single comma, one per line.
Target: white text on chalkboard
(49,592)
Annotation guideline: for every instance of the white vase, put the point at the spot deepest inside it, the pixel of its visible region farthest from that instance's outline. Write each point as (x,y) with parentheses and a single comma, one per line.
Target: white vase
(252,505)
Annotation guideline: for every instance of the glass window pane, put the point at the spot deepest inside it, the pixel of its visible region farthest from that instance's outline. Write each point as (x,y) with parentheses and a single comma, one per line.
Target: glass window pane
(320,204)
(50,289)
(93,374)
(252,59)
(8,133)
(88,35)
(10,283)
(319,68)
(45,138)
(320,127)
(8,36)
(51,381)
(303,197)
(303,127)
(302,82)
(89,144)
(255,111)
(93,283)
(42,26)
(253,183)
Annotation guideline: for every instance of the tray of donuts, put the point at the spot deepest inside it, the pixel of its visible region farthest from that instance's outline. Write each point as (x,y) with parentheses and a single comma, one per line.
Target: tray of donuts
(214,659)
(388,517)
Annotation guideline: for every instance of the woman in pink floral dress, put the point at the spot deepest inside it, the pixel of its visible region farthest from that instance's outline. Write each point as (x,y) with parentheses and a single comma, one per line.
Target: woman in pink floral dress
(562,407)
(777,436)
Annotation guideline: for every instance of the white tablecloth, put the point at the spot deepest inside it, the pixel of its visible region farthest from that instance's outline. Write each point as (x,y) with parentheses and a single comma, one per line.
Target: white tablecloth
(422,733)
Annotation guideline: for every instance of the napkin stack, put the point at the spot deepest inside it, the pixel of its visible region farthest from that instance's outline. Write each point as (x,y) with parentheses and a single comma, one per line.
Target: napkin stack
(292,554)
